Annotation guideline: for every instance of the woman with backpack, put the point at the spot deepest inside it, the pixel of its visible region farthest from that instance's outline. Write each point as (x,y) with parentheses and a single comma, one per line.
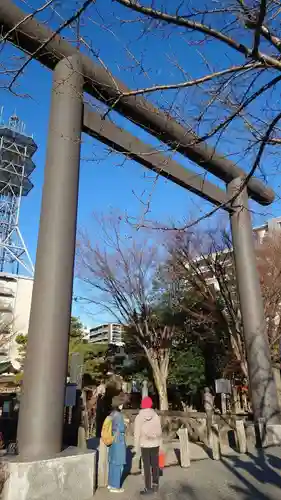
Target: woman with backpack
(115,426)
(148,439)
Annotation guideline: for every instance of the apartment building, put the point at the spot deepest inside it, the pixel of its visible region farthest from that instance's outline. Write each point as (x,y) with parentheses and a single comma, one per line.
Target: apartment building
(15,304)
(260,232)
(268,227)
(109,333)
(205,264)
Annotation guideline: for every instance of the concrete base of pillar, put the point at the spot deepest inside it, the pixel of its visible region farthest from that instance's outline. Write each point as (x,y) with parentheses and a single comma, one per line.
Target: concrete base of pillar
(270,435)
(68,476)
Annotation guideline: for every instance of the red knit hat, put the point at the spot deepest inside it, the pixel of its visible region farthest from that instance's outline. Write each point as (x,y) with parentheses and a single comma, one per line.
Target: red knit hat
(146,403)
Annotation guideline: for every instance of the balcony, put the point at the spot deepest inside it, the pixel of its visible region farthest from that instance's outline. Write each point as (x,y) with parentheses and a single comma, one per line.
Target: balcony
(6,307)
(6,291)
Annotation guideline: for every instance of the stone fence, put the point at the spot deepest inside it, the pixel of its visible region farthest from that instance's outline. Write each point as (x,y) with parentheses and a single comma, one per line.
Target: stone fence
(195,422)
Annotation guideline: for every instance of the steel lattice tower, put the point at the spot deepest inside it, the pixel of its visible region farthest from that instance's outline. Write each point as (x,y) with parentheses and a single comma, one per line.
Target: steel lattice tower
(16,165)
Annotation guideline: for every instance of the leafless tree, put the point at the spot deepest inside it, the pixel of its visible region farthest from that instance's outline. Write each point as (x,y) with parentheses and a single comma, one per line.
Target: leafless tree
(203,265)
(119,274)
(269,265)
(202,268)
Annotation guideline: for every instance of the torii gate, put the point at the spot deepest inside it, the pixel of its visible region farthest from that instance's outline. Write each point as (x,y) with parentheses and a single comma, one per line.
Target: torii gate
(42,404)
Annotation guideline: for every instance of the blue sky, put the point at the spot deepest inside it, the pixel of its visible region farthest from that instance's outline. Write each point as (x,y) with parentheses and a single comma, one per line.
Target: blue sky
(108,184)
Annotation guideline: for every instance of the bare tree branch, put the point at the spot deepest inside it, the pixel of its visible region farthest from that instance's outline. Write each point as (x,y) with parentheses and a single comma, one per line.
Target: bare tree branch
(68,22)
(260,21)
(201,28)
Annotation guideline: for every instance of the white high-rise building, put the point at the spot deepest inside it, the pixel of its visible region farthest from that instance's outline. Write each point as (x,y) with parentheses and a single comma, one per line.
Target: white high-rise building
(15,304)
(109,333)
(272,225)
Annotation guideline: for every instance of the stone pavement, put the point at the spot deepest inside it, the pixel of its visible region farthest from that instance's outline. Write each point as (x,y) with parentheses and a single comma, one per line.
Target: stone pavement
(255,476)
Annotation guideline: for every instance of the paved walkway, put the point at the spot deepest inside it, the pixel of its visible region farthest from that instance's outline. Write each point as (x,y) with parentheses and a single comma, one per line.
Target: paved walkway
(243,477)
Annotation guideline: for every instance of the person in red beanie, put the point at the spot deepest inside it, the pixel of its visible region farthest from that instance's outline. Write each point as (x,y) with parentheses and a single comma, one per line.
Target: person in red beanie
(148,437)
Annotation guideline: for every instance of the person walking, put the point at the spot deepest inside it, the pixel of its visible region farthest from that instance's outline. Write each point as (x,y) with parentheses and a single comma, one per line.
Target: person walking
(117,450)
(148,438)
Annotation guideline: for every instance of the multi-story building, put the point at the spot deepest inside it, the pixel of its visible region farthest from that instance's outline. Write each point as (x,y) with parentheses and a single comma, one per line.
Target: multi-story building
(109,333)
(260,232)
(15,303)
(268,227)
(208,267)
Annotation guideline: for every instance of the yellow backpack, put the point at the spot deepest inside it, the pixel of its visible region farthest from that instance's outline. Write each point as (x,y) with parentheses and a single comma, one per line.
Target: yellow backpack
(106,433)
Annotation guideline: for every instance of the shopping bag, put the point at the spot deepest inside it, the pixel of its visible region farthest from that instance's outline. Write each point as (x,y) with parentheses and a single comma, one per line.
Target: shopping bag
(161,460)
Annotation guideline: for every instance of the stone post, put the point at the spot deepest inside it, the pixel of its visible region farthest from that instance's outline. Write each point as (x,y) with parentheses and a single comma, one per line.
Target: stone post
(277,377)
(144,389)
(223,404)
(184,447)
(215,442)
(241,436)
(103,465)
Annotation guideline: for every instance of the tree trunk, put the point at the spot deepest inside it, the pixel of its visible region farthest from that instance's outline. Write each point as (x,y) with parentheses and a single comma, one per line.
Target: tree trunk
(160,374)
(161,386)
(163,399)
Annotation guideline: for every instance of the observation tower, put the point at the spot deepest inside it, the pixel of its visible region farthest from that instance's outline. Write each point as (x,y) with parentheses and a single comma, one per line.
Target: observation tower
(16,166)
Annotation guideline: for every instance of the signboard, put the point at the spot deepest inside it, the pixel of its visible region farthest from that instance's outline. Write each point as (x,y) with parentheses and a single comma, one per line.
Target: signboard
(223,386)
(9,390)
(6,407)
(76,369)
(70,395)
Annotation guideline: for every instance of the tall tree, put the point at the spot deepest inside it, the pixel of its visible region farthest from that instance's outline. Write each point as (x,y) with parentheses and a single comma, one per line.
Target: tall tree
(7,338)
(6,333)
(202,265)
(21,341)
(93,355)
(119,276)
(269,266)
(77,330)
(187,368)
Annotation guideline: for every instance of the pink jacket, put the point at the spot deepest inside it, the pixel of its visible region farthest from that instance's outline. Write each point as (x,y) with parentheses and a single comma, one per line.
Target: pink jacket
(148,432)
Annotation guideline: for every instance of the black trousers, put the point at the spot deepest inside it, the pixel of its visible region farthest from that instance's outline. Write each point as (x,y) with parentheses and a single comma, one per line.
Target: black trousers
(150,459)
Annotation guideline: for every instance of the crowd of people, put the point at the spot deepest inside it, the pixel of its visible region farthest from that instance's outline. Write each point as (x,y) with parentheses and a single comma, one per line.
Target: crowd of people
(147,444)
